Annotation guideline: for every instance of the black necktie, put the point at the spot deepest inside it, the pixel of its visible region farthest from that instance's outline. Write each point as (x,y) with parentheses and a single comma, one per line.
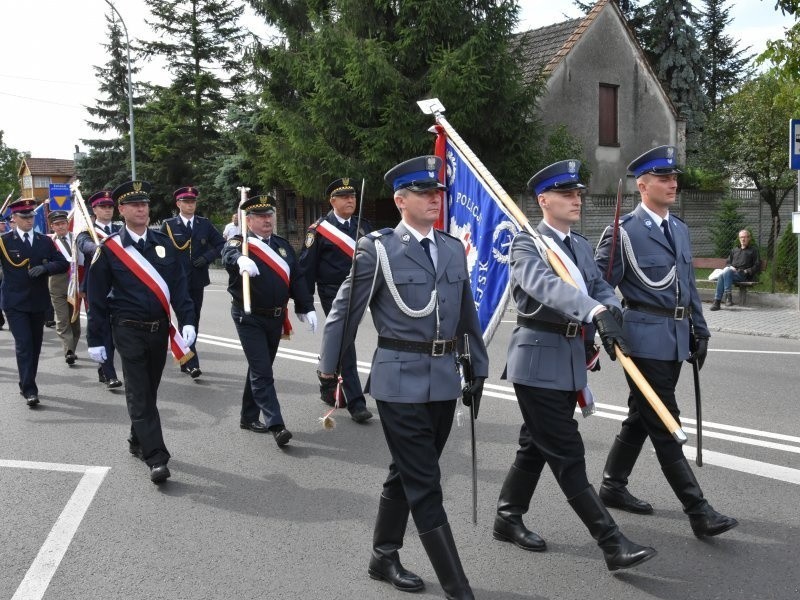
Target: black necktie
(189,227)
(344,225)
(66,245)
(665,227)
(140,245)
(107,229)
(426,245)
(26,239)
(568,244)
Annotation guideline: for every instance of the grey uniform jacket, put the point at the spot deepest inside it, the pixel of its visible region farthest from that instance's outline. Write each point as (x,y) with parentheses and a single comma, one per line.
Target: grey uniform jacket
(649,335)
(398,376)
(548,359)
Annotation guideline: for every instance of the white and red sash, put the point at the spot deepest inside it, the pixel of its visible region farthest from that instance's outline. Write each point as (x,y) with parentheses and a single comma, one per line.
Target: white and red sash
(338,238)
(147,274)
(281,268)
(101,234)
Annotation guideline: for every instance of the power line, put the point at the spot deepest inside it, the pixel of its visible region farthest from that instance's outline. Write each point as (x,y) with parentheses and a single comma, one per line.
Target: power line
(75,106)
(46,80)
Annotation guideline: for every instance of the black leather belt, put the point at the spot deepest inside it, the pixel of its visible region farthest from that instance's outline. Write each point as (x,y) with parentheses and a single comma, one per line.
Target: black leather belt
(273,312)
(569,330)
(151,326)
(433,348)
(677,313)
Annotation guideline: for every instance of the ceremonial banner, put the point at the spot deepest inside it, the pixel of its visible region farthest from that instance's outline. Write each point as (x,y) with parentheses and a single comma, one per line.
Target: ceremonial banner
(477,217)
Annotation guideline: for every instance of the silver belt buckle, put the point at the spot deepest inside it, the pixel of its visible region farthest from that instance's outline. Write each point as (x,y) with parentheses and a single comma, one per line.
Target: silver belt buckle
(154,326)
(680,311)
(277,312)
(438,347)
(572,330)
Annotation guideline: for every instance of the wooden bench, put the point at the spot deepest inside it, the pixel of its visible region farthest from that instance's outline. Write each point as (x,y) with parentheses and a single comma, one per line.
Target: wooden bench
(719,263)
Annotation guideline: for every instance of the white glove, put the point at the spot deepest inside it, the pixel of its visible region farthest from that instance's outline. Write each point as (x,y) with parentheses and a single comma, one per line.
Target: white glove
(98,354)
(246,264)
(189,334)
(311,319)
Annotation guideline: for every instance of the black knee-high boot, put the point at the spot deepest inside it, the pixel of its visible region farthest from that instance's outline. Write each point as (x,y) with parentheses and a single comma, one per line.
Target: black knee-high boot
(613,491)
(514,501)
(619,551)
(705,521)
(390,528)
(441,549)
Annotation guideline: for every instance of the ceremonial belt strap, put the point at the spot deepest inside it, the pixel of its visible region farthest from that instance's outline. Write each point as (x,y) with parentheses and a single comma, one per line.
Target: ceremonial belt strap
(569,330)
(151,326)
(338,238)
(274,312)
(147,274)
(433,348)
(677,313)
(270,258)
(274,261)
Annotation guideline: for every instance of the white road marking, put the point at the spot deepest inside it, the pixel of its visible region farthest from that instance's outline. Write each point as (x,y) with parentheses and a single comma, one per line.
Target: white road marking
(44,566)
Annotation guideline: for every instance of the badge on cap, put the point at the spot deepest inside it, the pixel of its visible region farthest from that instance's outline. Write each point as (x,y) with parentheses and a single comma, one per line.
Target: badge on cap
(160,251)
(345,181)
(572,167)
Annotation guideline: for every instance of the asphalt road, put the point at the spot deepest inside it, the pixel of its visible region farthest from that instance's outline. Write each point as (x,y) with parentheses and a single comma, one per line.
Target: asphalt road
(241,519)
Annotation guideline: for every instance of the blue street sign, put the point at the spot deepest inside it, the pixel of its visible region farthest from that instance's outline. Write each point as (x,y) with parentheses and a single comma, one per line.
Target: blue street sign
(61,197)
(794,144)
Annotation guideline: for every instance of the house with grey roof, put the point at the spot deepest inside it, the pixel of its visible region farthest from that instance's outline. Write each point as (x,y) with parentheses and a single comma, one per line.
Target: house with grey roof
(599,84)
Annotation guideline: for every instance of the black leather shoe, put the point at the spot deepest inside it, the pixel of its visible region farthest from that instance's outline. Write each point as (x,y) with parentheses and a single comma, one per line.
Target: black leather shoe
(32,400)
(255,426)
(512,529)
(388,568)
(50,324)
(194,372)
(70,357)
(113,383)
(624,500)
(282,436)
(361,415)
(159,473)
(101,377)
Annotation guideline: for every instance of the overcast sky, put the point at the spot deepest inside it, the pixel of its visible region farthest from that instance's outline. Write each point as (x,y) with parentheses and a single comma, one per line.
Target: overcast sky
(49,48)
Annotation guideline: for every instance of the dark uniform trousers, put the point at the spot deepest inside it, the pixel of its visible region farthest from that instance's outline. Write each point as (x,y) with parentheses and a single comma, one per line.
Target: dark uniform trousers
(196,294)
(642,419)
(143,355)
(260,336)
(550,435)
(349,373)
(28,331)
(416,434)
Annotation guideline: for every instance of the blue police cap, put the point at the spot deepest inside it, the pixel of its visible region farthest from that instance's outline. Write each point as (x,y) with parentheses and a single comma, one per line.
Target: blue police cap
(659,161)
(341,187)
(132,191)
(562,175)
(263,204)
(418,174)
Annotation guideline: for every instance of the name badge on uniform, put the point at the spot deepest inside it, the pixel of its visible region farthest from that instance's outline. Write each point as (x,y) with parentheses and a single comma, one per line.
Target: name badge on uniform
(282,252)
(160,252)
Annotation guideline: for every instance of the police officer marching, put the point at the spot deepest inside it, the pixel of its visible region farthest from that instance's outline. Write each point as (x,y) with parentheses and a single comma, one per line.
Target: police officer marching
(68,330)
(547,363)
(274,278)
(28,258)
(326,260)
(199,244)
(652,266)
(421,317)
(132,282)
(103,209)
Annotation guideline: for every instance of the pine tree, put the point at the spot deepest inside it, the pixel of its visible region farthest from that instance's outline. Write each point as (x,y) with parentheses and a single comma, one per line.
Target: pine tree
(725,66)
(107,162)
(345,77)
(10,159)
(201,43)
(675,54)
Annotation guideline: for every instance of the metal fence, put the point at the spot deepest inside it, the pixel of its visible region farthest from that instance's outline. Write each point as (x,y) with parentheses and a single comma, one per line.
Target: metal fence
(700,210)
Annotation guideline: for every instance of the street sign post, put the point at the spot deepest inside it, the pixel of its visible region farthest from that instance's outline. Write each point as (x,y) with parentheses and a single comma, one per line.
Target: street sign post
(794,163)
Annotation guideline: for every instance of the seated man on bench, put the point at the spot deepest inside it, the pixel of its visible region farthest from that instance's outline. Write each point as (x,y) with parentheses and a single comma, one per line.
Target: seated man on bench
(743,264)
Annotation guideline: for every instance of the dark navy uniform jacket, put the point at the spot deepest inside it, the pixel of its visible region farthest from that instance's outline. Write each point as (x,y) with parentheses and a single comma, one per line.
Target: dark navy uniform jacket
(650,335)
(86,245)
(129,298)
(321,260)
(19,291)
(206,242)
(268,290)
